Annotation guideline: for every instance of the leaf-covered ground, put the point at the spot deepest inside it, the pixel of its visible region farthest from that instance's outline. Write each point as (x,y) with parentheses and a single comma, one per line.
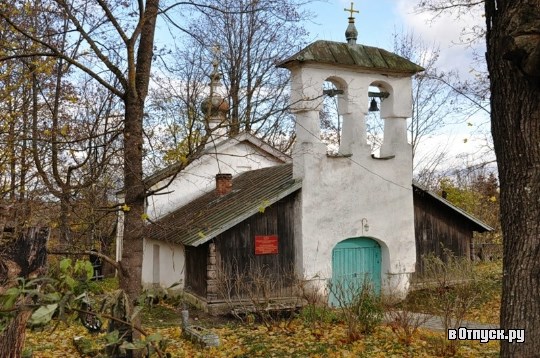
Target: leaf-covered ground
(297,338)
(489,310)
(300,337)
(486,310)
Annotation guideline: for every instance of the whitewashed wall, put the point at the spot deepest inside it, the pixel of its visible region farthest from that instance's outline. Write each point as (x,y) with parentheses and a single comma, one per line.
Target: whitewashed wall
(235,155)
(338,192)
(170,266)
(199,177)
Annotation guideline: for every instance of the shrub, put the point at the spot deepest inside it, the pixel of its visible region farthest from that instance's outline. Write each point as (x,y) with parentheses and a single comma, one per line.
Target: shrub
(255,291)
(360,306)
(318,314)
(454,288)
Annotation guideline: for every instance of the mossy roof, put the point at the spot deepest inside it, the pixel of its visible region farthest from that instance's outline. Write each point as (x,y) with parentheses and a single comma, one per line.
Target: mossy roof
(211,214)
(357,56)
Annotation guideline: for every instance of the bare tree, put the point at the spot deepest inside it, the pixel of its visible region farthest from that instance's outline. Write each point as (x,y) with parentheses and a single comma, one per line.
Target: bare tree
(252,36)
(113,43)
(175,121)
(435,104)
(16,175)
(73,138)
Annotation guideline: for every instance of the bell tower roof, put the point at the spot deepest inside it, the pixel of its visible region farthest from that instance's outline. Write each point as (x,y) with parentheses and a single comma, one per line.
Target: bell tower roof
(370,59)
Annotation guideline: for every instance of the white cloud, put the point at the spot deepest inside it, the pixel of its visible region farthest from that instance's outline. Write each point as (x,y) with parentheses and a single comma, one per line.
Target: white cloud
(446,30)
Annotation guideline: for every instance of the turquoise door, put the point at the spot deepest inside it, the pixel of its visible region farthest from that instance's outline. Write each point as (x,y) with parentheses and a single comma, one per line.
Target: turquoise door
(354,262)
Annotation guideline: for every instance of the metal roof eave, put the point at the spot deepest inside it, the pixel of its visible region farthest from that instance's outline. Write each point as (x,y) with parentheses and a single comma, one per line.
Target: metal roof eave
(358,57)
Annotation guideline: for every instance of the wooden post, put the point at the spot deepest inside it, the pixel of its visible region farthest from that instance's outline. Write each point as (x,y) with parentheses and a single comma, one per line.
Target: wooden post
(211,274)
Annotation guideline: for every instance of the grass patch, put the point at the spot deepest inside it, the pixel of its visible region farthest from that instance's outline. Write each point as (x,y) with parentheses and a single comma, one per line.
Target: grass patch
(318,314)
(160,316)
(487,307)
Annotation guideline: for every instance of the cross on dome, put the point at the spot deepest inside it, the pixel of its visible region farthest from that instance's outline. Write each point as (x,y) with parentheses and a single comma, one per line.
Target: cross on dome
(351,34)
(351,10)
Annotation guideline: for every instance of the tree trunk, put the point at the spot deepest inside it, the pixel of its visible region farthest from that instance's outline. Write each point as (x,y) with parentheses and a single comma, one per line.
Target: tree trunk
(13,337)
(64,227)
(132,253)
(513,56)
(22,256)
(138,77)
(130,278)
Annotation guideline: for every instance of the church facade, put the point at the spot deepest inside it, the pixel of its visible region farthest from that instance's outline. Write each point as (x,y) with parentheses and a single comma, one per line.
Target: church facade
(322,219)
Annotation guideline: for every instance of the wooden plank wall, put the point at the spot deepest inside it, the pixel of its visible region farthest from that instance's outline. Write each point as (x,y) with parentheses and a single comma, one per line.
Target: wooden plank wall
(235,248)
(438,227)
(196,262)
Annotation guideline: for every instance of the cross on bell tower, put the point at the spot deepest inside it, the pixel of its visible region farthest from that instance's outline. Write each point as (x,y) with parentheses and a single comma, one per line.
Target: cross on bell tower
(351,34)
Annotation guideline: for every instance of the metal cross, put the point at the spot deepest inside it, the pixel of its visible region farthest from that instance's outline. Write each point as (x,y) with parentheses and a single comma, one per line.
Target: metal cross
(216,50)
(351,10)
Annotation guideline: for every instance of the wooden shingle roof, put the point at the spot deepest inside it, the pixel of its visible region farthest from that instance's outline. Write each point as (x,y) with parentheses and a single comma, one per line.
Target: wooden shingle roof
(211,214)
(368,58)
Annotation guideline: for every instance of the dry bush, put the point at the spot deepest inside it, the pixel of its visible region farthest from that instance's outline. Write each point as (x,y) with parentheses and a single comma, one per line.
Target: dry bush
(403,322)
(400,315)
(258,292)
(454,289)
(361,307)
(316,310)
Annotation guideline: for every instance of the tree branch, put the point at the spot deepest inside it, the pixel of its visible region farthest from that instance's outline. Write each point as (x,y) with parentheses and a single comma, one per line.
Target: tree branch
(119,75)
(86,252)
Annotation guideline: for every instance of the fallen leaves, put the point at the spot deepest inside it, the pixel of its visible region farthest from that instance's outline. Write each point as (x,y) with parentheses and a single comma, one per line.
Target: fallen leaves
(302,337)
(299,339)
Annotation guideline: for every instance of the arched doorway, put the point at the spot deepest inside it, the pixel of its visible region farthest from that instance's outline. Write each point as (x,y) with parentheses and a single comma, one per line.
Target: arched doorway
(355,261)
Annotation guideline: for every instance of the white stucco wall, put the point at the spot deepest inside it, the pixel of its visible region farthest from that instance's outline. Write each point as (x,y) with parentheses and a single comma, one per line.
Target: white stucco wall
(338,192)
(199,177)
(170,266)
(235,156)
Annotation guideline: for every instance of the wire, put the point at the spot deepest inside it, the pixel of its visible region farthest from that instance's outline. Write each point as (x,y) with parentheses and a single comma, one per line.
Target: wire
(355,162)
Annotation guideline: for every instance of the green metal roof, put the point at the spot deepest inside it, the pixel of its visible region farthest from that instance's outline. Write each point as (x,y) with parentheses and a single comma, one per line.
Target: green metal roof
(211,214)
(355,56)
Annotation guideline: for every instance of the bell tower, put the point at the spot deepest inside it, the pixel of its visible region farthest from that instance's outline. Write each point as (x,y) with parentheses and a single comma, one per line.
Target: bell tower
(344,191)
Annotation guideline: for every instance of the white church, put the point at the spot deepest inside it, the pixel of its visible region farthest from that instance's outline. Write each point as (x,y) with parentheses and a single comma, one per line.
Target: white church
(244,204)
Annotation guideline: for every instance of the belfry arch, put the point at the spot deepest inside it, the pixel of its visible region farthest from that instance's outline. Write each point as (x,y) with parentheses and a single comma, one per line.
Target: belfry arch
(334,106)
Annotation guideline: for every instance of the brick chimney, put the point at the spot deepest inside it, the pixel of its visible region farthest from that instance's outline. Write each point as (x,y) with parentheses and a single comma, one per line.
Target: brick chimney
(223,184)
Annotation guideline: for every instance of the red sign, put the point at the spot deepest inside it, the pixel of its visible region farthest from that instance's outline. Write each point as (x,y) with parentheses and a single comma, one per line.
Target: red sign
(265,245)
